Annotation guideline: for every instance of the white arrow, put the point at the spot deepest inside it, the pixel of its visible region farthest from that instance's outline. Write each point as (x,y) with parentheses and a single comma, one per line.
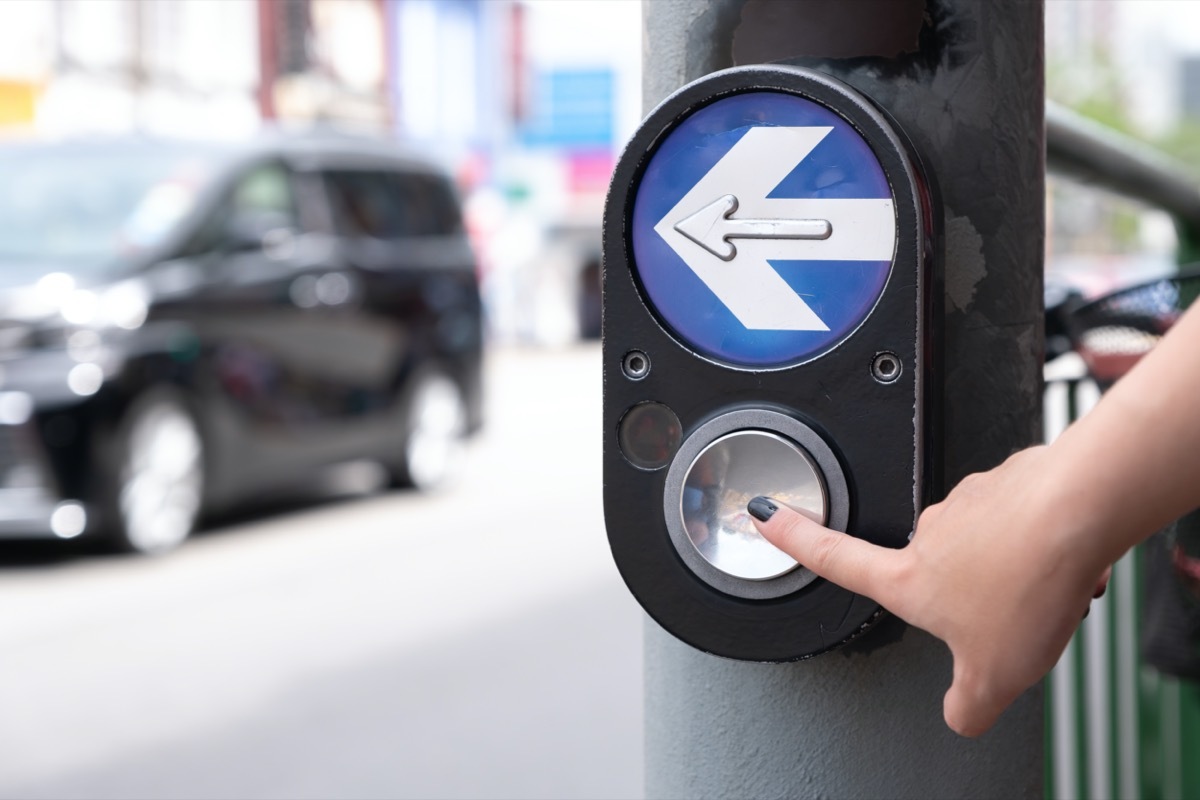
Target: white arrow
(699,228)
(711,228)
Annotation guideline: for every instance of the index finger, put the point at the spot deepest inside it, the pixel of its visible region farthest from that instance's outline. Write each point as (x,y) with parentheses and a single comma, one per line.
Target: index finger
(851,563)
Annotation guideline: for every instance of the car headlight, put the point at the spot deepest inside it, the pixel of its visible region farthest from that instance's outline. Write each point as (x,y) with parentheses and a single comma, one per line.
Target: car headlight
(58,316)
(85,316)
(124,306)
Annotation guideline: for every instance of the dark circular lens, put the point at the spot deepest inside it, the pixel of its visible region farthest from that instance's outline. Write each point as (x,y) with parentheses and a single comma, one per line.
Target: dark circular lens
(649,435)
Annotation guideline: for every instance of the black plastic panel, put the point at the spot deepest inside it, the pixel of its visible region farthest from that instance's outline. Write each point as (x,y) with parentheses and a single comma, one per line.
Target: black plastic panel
(877,430)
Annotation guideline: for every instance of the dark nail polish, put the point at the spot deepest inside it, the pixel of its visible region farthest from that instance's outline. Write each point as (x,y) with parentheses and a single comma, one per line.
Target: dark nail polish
(761,508)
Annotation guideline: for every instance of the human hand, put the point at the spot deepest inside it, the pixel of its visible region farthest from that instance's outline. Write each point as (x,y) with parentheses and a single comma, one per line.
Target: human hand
(997,571)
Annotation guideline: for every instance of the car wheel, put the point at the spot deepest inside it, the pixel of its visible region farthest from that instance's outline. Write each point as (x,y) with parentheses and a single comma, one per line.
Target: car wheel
(435,425)
(160,475)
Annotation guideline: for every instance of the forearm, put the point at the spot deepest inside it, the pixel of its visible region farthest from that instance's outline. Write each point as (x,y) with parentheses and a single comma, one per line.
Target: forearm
(1133,464)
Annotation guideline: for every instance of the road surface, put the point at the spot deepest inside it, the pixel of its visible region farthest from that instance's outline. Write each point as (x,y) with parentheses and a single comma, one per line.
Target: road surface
(473,643)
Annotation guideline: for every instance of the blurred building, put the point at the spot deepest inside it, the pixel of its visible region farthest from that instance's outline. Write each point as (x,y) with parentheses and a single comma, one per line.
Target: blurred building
(170,66)
(531,101)
(1190,86)
(191,66)
(463,77)
(324,61)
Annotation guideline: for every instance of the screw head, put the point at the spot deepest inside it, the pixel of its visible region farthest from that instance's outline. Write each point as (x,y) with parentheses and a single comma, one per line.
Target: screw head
(886,367)
(635,365)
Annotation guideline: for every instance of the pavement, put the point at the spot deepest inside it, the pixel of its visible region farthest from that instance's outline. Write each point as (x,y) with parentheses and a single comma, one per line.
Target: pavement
(470,643)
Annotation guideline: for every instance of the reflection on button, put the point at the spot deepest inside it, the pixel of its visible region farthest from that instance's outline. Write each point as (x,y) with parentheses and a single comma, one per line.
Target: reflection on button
(724,478)
(649,435)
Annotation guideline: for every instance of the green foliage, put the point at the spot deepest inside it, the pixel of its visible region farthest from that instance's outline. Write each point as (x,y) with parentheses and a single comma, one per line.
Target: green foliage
(1183,142)
(1095,88)
(1092,86)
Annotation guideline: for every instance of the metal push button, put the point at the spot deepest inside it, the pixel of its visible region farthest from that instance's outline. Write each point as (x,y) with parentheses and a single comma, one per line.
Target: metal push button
(719,468)
(723,479)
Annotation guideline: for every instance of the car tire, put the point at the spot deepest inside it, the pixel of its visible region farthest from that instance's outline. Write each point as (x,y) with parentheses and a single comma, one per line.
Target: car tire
(155,497)
(434,432)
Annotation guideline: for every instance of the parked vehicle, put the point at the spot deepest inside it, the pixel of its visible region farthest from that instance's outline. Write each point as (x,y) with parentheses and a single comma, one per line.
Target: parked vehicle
(185,325)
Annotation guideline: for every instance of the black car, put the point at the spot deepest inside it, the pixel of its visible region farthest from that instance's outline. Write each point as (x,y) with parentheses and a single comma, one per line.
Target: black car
(185,325)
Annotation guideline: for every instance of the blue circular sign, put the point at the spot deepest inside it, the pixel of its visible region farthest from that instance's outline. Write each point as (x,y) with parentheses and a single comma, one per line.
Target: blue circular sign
(763,230)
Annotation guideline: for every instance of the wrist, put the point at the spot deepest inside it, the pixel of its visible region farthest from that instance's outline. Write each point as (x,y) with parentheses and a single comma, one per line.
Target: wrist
(1092,495)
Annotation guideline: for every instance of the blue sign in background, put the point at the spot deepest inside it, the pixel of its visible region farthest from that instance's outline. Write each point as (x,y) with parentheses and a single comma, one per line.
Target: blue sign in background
(841,293)
(572,109)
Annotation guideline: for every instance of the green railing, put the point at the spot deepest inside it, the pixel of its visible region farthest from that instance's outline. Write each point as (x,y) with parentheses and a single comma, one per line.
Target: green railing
(1116,727)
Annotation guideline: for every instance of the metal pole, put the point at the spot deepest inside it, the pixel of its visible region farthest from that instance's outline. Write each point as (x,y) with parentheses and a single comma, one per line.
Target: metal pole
(964,79)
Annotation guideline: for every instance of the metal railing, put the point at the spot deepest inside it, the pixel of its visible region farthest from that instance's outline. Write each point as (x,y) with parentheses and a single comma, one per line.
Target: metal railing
(1116,728)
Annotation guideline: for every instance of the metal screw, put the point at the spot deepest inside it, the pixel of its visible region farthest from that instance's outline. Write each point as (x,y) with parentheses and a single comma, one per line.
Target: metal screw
(886,367)
(636,365)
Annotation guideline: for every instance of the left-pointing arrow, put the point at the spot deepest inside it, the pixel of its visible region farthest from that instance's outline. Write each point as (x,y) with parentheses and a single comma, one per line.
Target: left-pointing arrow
(711,228)
(698,229)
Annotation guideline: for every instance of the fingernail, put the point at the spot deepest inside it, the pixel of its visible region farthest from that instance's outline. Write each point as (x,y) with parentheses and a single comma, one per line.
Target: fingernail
(761,508)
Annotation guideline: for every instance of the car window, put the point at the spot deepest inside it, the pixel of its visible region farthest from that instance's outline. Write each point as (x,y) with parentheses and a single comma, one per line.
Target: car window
(434,204)
(91,208)
(364,205)
(266,189)
(391,205)
(260,201)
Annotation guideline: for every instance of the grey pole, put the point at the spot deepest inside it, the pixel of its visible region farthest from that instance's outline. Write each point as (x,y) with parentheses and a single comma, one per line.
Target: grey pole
(964,79)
